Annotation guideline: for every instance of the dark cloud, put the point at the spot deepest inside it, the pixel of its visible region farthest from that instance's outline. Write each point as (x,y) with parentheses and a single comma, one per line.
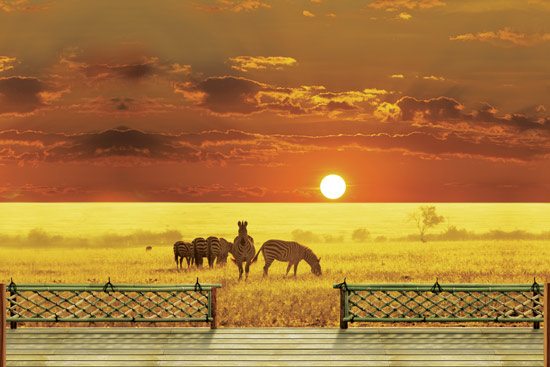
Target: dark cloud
(128,71)
(127,147)
(230,94)
(21,95)
(135,69)
(436,109)
(119,146)
(430,146)
(236,95)
(488,114)
(122,142)
(122,104)
(335,106)
(451,114)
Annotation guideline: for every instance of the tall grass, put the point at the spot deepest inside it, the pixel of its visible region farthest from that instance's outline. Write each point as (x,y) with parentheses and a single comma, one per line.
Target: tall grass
(306,300)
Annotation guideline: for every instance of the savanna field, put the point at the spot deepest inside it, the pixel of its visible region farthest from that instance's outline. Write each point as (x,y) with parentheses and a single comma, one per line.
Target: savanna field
(366,243)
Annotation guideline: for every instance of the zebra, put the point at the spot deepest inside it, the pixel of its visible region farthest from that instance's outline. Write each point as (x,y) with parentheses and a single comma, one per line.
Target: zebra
(183,250)
(226,248)
(200,250)
(214,249)
(243,249)
(289,251)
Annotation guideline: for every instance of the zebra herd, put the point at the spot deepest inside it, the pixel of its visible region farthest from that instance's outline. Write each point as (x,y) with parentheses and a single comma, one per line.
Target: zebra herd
(213,248)
(242,248)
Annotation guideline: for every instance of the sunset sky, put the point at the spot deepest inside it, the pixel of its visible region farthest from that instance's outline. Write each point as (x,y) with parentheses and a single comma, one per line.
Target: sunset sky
(257,100)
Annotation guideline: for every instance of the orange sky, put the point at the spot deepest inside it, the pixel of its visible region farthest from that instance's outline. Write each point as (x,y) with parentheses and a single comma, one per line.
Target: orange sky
(256,100)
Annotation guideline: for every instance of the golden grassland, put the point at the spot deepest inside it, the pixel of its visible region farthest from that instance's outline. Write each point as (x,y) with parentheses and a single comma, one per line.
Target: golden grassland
(306,300)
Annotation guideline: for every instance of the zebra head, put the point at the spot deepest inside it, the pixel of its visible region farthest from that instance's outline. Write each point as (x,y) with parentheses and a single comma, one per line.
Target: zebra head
(316,267)
(242,228)
(314,262)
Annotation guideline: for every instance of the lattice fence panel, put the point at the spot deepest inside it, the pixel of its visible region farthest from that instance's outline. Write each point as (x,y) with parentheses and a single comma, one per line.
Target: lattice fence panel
(117,304)
(423,305)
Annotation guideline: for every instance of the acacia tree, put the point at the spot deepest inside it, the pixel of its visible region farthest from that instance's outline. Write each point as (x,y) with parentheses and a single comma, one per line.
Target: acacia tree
(425,217)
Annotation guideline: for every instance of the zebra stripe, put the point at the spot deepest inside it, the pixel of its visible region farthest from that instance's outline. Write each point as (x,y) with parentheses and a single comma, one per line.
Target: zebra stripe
(243,249)
(200,250)
(226,248)
(214,249)
(288,251)
(183,250)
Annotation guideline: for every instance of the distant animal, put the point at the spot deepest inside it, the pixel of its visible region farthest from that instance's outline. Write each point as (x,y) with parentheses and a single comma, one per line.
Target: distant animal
(225,249)
(288,251)
(200,250)
(183,250)
(148,248)
(214,249)
(243,249)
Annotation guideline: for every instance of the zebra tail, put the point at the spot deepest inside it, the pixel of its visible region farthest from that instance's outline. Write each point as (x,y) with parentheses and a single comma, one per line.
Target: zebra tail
(175,252)
(255,258)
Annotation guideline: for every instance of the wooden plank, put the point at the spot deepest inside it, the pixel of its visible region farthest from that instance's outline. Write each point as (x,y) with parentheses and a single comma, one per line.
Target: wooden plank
(155,362)
(275,347)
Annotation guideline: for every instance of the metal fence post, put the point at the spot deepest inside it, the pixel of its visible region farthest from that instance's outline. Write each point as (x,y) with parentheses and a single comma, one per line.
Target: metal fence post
(213,305)
(3,331)
(343,301)
(546,327)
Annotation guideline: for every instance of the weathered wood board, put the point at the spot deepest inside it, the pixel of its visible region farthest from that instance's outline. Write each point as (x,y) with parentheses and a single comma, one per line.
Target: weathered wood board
(275,347)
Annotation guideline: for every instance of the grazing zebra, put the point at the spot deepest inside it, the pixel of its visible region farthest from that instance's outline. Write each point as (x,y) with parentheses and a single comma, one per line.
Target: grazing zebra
(289,251)
(200,250)
(226,248)
(183,250)
(243,249)
(148,248)
(214,249)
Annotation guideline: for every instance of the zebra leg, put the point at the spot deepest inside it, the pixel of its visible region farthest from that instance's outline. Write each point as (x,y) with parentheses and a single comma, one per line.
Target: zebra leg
(295,269)
(188,259)
(247,269)
(288,268)
(240,266)
(267,265)
(176,258)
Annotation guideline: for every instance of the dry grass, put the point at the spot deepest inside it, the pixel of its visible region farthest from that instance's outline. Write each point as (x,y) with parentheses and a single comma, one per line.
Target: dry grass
(277,301)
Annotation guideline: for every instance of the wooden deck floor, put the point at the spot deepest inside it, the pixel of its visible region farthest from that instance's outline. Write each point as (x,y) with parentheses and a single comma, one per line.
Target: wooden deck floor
(275,347)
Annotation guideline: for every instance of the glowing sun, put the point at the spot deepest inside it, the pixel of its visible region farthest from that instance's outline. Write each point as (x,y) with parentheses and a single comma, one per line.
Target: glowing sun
(333,186)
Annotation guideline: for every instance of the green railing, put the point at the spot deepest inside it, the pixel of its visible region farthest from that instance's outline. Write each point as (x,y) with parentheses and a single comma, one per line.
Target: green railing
(440,303)
(111,303)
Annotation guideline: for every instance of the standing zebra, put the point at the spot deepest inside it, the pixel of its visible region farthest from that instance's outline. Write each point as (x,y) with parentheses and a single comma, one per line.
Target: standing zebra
(183,250)
(214,249)
(289,251)
(243,249)
(200,250)
(226,248)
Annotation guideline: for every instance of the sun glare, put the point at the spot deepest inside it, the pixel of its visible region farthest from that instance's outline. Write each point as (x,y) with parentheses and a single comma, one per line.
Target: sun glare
(333,186)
